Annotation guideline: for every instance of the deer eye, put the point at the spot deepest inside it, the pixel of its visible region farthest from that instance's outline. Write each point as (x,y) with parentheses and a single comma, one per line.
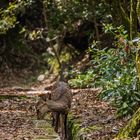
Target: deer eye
(39,115)
(37,111)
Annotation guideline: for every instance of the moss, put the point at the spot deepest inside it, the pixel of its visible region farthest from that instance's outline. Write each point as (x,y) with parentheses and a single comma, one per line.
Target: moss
(77,131)
(74,127)
(132,128)
(13,96)
(91,128)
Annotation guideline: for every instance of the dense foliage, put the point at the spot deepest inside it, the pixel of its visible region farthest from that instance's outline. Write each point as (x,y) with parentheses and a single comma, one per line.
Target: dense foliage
(46,32)
(115,71)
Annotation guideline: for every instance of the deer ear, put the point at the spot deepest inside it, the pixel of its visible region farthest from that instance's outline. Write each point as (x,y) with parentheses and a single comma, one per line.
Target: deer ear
(40,103)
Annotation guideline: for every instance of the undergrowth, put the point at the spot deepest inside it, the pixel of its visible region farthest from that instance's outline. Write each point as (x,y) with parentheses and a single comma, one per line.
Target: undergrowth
(115,71)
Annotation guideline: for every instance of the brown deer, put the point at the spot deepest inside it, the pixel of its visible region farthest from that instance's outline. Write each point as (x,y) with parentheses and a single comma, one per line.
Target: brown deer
(59,104)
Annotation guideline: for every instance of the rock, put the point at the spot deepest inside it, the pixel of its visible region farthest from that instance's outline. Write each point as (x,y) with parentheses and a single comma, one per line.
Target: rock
(41,77)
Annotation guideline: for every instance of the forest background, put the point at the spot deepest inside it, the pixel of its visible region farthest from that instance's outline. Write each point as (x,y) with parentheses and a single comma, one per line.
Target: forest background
(38,36)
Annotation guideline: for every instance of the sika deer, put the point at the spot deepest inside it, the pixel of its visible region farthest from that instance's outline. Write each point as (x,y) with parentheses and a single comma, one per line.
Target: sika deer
(59,104)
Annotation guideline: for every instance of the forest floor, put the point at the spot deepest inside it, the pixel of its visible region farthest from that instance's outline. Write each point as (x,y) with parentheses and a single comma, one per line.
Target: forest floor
(18,116)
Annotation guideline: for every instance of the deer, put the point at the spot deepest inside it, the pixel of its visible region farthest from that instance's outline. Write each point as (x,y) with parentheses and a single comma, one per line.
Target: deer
(59,104)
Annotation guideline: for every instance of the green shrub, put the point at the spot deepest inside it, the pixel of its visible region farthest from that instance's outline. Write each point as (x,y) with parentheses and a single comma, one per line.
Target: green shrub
(116,74)
(83,80)
(115,71)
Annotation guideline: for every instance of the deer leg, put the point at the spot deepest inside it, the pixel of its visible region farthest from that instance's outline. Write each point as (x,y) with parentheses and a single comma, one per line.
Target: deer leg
(55,122)
(64,126)
(53,118)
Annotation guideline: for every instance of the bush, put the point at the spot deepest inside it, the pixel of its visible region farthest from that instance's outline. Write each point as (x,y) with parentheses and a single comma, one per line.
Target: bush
(83,80)
(115,71)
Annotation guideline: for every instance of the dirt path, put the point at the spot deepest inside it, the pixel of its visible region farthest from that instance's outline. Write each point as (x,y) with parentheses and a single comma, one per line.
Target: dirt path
(18,121)
(97,119)
(18,117)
